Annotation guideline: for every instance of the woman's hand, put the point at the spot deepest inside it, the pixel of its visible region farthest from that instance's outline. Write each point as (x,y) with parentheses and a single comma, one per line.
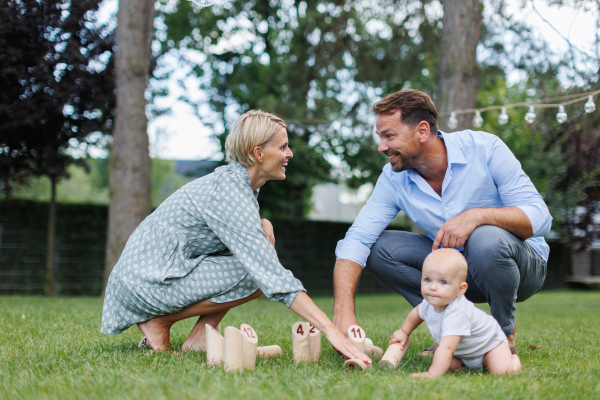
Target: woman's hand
(268,230)
(344,346)
(305,308)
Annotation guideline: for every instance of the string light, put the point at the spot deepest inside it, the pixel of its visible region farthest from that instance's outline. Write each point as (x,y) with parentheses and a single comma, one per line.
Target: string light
(503,117)
(589,105)
(561,115)
(477,120)
(452,121)
(530,116)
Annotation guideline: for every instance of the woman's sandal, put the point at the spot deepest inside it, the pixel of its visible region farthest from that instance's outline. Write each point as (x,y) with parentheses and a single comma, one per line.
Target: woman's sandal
(428,351)
(143,343)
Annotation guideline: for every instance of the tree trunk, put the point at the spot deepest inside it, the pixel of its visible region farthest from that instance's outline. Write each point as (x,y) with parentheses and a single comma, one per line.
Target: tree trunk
(459,72)
(51,237)
(130,158)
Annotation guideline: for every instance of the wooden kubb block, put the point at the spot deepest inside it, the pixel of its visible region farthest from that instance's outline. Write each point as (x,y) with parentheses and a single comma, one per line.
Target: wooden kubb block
(240,348)
(356,334)
(215,346)
(393,355)
(372,350)
(306,342)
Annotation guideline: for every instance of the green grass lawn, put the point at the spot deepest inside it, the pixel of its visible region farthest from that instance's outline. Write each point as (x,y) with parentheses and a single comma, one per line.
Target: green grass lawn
(52,348)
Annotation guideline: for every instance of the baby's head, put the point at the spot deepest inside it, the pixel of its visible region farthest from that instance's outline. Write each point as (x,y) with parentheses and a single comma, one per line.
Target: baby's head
(443,278)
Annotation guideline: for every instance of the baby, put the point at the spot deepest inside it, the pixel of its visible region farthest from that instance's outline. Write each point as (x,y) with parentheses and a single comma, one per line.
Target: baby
(466,335)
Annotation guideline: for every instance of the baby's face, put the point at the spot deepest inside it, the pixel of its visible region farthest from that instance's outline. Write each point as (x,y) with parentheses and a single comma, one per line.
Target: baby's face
(440,285)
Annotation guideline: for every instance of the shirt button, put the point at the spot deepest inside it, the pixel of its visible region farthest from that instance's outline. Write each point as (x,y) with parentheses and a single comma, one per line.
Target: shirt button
(445,208)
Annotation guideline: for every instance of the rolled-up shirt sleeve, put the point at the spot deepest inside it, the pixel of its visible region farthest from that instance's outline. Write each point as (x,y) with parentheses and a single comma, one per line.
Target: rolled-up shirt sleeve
(237,224)
(372,219)
(516,189)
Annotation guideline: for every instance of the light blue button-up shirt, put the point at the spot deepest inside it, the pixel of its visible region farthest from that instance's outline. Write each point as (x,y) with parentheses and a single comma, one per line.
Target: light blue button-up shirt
(482,172)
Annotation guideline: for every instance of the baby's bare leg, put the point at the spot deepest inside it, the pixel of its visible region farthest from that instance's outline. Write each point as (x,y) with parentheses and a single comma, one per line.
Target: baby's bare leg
(500,361)
(456,364)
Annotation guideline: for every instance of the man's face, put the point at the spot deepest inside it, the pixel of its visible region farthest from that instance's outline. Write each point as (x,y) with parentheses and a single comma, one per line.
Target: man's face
(399,142)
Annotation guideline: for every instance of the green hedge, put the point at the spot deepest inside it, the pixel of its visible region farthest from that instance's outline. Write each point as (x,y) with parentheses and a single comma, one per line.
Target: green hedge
(304,247)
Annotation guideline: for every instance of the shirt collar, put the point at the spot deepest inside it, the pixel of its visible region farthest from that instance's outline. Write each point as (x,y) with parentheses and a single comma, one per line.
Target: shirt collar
(455,154)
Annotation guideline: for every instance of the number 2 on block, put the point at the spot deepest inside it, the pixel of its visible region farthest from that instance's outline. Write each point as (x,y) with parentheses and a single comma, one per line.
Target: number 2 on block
(249,332)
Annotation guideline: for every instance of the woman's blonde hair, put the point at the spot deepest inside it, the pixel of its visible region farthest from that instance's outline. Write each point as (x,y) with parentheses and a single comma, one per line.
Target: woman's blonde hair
(254,128)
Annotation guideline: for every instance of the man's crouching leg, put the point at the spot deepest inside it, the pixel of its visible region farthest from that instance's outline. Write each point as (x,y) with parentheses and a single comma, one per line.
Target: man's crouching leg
(503,269)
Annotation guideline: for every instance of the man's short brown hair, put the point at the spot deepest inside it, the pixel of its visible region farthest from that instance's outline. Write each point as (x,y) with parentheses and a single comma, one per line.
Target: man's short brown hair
(414,105)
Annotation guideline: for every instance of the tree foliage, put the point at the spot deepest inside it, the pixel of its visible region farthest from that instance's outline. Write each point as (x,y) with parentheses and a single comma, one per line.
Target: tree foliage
(56,85)
(319,64)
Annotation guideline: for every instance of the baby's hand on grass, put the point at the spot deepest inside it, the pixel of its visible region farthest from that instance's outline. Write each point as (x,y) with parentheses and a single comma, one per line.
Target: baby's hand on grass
(425,374)
(399,337)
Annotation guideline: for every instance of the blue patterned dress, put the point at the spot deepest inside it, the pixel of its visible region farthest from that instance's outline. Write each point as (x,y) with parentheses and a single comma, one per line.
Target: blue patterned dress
(205,242)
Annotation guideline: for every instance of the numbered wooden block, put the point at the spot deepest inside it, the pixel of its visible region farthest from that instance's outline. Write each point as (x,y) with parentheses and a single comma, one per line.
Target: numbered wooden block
(233,359)
(269,351)
(215,345)
(393,355)
(249,346)
(356,334)
(355,364)
(301,342)
(314,338)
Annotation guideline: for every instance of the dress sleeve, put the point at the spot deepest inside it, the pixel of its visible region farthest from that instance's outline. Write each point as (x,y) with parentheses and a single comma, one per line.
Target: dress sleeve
(231,212)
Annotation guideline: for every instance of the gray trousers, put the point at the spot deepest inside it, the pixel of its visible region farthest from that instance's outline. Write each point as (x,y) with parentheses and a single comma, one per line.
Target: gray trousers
(503,269)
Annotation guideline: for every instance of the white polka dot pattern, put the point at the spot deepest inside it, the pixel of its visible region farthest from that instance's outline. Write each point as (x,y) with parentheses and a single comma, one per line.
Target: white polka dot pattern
(205,242)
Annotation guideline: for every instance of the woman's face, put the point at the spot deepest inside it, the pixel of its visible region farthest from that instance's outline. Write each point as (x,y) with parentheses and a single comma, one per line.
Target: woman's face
(276,154)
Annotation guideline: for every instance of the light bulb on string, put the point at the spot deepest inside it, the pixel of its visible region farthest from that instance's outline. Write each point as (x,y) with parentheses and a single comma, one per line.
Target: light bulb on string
(503,117)
(561,115)
(477,120)
(530,116)
(452,121)
(589,105)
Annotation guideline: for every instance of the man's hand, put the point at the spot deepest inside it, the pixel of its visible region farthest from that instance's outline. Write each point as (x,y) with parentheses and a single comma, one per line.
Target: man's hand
(456,231)
(268,230)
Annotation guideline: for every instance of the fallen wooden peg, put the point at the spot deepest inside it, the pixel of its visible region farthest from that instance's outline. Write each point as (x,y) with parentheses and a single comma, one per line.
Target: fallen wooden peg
(355,364)
(375,351)
(269,351)
(393,355)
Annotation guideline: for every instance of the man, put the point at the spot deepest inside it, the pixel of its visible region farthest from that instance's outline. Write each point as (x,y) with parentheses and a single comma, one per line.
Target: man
(465,190)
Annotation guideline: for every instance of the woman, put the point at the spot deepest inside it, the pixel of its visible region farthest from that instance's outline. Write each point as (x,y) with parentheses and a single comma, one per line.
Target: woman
(205,250)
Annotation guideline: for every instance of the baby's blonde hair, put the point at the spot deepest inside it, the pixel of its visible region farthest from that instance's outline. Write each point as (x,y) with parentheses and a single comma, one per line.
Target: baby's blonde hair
(451,258)
(254,128)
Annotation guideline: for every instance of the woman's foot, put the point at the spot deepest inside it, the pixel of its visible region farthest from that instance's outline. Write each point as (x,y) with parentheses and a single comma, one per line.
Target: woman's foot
(196,340)
(157,334)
